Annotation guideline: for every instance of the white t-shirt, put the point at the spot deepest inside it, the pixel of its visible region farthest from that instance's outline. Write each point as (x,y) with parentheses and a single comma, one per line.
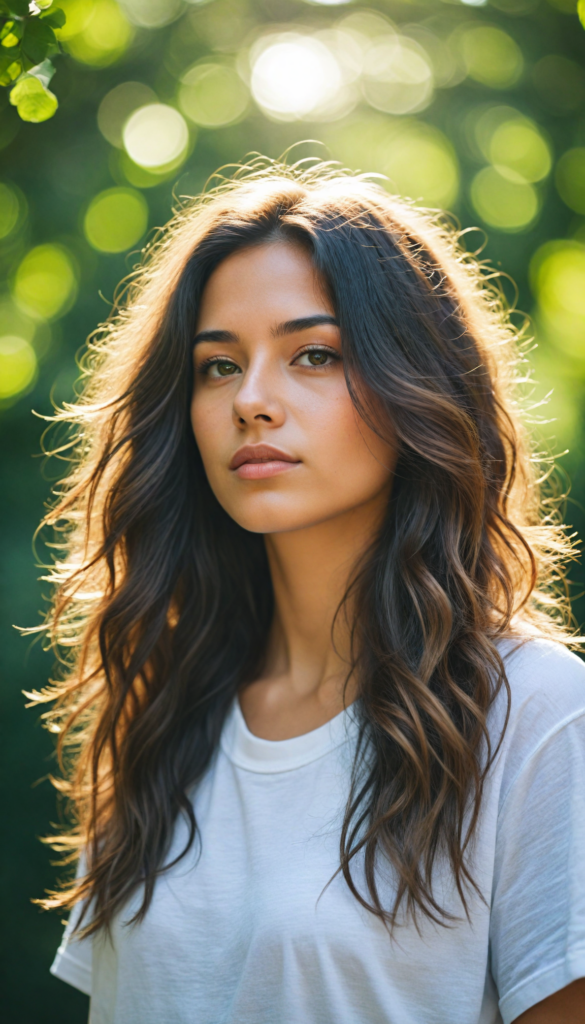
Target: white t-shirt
(243,930)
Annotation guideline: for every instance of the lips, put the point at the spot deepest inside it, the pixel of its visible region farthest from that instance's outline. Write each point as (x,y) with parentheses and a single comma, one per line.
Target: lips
(258,461)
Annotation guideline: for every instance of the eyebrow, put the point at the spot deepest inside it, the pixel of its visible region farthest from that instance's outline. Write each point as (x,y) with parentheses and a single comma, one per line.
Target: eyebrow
(303,323)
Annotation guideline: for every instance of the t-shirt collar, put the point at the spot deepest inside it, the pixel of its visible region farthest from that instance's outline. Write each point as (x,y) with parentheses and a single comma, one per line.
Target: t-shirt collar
(267,756)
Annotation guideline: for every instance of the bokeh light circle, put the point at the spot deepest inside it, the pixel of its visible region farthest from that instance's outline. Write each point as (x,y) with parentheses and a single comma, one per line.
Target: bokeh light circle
(570,178)
(12,208)
(77,14)
(422,165)
(142,177)
(212,95)
(45,283)
(557,278)
(115,219)
(152,13)
(117,106)
(418,159)
(156,136)
(96,32)
(519,151)
(18,366)
(491,56)
(504,204)
(398,78)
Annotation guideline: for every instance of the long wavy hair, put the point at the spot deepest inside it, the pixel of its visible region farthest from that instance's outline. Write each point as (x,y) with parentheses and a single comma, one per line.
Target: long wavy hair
(162,603)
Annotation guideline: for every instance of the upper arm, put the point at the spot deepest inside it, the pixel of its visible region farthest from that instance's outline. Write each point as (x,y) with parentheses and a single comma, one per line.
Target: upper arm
(566,1006)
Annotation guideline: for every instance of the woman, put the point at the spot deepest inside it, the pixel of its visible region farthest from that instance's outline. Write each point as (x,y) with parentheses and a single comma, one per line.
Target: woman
(324,744)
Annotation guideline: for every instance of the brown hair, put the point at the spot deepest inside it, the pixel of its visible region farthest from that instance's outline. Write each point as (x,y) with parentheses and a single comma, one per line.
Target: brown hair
(162,603)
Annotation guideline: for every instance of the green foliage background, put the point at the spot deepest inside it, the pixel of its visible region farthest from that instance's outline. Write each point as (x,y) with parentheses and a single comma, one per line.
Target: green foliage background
(55,175)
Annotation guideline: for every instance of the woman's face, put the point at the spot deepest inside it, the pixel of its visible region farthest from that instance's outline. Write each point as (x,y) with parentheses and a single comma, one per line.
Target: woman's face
(281,441)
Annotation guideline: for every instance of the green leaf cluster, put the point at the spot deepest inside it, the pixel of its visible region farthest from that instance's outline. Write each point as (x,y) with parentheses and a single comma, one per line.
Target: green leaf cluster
(27,44)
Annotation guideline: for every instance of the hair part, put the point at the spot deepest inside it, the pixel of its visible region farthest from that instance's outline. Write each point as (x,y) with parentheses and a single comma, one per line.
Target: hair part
(162,604)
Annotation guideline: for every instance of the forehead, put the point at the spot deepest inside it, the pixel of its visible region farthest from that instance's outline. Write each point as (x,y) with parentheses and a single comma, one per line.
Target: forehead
(276,280)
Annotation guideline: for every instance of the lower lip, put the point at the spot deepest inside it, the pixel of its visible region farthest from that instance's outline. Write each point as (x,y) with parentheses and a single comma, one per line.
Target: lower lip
(263,470)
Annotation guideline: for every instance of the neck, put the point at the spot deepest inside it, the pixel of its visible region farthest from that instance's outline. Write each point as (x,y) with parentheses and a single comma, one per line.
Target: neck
(309,646)
(306,678)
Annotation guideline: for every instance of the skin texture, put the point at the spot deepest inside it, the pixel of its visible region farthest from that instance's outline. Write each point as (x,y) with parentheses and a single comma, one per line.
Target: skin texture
(317,516)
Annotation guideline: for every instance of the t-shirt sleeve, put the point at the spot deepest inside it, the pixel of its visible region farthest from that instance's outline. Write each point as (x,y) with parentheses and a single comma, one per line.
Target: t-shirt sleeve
(73,960)
(538,900)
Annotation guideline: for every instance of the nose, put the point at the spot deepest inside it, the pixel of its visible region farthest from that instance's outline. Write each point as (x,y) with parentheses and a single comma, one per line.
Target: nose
(257,399)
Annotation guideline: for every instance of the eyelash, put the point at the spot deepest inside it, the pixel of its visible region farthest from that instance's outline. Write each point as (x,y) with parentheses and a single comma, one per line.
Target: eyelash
(214,360)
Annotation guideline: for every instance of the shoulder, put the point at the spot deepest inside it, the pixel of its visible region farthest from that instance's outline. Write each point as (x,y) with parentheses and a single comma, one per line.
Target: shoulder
(547,701)
(545,674)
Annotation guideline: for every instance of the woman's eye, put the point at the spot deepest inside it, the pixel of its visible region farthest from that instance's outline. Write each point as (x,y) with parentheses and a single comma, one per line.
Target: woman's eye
(315,357)
(220,368)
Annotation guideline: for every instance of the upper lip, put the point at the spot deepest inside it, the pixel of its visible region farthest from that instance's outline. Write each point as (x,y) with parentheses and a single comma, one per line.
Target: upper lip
(260,453)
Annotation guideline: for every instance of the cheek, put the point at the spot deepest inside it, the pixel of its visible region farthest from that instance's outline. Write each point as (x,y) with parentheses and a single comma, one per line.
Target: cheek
(348,451)
(207,421)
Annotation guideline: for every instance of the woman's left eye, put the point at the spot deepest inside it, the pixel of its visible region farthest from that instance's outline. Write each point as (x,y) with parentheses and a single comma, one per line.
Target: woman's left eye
(316,357)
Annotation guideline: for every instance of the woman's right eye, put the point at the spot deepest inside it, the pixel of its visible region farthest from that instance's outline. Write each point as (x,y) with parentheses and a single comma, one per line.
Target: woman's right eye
(219,368)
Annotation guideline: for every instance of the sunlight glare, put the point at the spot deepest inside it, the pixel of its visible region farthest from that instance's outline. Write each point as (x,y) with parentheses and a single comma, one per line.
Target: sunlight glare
(295,75)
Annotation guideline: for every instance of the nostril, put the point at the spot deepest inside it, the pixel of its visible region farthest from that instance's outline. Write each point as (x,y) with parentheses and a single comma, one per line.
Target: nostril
(262,416)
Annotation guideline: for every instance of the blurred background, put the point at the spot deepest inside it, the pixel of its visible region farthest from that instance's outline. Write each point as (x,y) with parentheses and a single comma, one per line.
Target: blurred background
(477,107)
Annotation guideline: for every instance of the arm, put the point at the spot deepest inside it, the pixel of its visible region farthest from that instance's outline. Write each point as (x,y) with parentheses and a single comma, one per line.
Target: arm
(564,1007)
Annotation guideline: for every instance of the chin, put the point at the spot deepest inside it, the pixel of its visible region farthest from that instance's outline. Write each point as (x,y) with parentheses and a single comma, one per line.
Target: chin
(269,522)
(281,517)
(268,513)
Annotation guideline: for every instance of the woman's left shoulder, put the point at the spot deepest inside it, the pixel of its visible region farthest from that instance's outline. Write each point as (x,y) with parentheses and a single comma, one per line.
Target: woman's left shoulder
(545,671)
(547,693)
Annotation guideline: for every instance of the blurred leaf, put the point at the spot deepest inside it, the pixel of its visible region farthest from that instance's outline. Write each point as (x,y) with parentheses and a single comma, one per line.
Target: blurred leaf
(56,18)
(33,100)
(44,72)
(43,4)
(19,7)
(38,37)
(11,33)
(581,12)
(10,69)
